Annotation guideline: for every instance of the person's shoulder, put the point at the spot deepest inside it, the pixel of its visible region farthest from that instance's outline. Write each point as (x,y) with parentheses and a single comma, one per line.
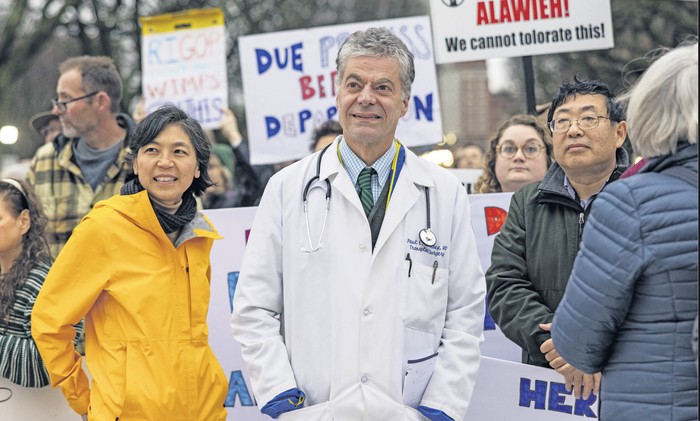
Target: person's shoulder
(37,274)
(528,193)
(45,150)
(40,267)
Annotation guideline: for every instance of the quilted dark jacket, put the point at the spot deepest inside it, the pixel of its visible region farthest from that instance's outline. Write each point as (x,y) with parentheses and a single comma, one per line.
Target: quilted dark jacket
(631,300)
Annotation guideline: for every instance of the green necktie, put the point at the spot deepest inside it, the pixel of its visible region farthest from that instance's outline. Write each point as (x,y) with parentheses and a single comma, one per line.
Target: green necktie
(364,181)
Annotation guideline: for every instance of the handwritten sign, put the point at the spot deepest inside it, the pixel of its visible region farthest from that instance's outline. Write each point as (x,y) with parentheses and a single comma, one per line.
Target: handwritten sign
(289,86)
(184,63)
(467,30)
(504,390)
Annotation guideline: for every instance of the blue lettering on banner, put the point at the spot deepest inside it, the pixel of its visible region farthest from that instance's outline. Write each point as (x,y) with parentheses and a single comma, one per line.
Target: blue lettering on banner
(489,323)
(331,112)
(420,54)
(304,115)
(538,395)
(154,49)
(557,396)
(328,42)
(582,407)
(237,387)
(427,109)
(232,282)
(272,126)
(282,58)
(293,124)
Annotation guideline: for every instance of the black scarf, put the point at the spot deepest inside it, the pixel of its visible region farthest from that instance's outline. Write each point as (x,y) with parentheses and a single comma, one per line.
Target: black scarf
(169,222)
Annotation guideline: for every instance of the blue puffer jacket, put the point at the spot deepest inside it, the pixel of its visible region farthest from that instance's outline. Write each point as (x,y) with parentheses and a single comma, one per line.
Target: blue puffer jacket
(631,300)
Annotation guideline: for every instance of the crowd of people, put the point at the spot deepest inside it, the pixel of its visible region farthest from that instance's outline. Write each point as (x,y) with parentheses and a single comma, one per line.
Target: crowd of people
(593,273)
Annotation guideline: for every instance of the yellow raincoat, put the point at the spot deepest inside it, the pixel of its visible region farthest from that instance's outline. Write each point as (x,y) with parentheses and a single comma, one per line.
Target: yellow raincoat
(145,304)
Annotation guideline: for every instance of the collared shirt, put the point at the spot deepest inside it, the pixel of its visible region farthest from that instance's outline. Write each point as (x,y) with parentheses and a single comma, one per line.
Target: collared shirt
(572,193)
(353,165)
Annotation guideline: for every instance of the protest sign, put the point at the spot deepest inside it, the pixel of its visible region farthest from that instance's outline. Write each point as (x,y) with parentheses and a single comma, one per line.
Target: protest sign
(504,390)
(289,86)
(184,63)
(468,30)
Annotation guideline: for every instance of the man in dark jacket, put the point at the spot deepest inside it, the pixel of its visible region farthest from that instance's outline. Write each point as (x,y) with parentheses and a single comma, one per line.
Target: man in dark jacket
(535,250)
(84,164)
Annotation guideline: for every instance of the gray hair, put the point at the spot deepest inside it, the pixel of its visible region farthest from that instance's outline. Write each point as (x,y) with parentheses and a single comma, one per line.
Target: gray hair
(98,73)
(663,106)
(378,42)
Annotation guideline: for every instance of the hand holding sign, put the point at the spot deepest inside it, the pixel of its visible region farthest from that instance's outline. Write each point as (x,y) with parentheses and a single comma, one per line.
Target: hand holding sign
(583,384)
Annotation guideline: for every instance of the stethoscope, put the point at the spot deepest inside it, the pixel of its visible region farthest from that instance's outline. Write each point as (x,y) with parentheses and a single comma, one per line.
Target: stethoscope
(426,235)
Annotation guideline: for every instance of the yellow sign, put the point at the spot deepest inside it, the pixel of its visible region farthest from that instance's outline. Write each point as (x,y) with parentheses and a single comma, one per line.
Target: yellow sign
(188,19)
(183,62)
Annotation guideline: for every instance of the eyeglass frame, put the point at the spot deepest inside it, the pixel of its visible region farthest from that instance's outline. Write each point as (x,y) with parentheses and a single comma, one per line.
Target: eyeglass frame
(520,148)
(63,105)
(571,122)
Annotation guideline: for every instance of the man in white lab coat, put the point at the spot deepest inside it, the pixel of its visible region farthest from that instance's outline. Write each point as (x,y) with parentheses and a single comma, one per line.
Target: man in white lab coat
(371,308)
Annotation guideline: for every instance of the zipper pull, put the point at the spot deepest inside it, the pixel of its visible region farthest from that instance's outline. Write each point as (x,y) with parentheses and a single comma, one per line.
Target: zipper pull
(581,220)
(435,264)
(410,263)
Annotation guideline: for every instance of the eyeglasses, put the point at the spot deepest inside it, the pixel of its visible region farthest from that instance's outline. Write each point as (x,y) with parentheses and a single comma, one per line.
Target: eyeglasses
(63,105)
(585,122)
(508,150)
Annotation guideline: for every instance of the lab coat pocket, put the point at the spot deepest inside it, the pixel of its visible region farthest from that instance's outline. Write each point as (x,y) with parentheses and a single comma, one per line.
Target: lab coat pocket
(318,412)
(423,296)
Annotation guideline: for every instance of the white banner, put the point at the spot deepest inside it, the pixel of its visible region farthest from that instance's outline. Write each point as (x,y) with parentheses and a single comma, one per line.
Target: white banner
(508,391)
(289,86)
(24,403)
(489,212)
(504,390)
(468,30)
(183,59)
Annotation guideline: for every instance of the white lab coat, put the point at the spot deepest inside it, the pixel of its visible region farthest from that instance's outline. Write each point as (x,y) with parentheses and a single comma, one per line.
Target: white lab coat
(342,323)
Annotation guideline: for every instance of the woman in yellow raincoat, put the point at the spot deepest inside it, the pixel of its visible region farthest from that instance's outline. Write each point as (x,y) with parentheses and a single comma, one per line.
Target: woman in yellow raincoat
(137,269)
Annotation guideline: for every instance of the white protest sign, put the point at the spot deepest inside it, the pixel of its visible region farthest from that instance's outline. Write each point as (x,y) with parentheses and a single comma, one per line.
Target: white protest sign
(488,213)
(25,403)
(504,390)
(184,63)
(289,86)
(226,258)
(512,391)
(468,30)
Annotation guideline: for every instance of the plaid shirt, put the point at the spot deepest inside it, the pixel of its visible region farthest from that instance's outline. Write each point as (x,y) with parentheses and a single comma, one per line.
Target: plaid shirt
(63,191)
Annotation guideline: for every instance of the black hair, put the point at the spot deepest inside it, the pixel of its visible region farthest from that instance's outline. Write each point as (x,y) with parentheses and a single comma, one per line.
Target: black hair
(35,247)
(165,116)
(585,87)
(328,127)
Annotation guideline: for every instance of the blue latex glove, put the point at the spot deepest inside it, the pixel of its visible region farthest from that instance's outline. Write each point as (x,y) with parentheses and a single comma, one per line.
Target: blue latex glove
(284,402)
(433,414)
